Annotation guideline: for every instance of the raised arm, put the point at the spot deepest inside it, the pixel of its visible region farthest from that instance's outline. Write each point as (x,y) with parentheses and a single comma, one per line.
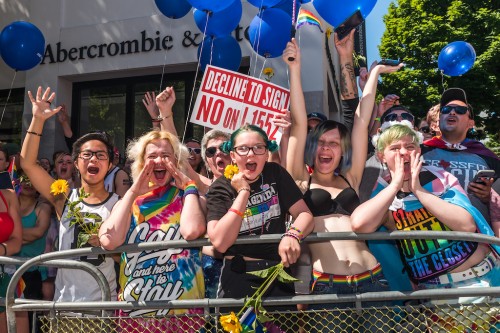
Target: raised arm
(362,121)
(298,131)
(40,179)
(345,49)
(114,229)
(149,102)
(165,102)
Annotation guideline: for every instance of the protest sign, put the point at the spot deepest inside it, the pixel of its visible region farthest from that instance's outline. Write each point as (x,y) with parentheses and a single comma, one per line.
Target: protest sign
(228,100)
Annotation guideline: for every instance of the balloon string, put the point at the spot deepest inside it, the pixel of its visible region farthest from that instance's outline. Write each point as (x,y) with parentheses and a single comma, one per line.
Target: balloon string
(263,66)
(164,61)
(195,78)
(443,83)
(257,41)
(8,96)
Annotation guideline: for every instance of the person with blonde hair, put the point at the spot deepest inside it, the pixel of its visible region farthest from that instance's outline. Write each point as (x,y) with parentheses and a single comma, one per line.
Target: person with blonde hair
(162,204)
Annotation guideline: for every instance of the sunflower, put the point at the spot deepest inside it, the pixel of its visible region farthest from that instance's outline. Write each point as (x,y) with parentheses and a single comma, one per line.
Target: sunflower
(230,323)
(268,72)
(230,171)
(59,186)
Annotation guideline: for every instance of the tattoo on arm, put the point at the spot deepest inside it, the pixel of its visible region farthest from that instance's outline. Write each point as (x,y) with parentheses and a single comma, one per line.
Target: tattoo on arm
(348,87)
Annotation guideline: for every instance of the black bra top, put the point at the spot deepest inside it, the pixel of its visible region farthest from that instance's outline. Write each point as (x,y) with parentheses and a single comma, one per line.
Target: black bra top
(320,201)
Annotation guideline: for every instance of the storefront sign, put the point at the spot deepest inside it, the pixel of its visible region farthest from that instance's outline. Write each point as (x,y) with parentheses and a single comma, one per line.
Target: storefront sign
(228,100)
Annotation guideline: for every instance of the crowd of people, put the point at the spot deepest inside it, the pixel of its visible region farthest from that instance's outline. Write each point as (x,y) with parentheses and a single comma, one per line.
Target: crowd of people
(377,170)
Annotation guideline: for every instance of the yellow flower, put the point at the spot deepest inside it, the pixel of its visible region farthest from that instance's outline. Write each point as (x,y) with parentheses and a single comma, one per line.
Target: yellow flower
(328,32)
(268,71)
(230,171)
(59,186)
(230,323)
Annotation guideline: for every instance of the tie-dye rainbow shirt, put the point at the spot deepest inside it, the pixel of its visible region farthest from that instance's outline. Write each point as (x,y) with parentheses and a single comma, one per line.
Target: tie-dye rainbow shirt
(167,274)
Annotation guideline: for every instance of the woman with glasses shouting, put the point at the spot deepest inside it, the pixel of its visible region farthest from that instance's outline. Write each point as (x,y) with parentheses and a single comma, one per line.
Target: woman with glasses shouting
(91,156)
(331,191)
(254,199)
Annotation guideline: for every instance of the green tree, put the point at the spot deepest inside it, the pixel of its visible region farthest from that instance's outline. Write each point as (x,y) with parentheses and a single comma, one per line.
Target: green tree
(417,30)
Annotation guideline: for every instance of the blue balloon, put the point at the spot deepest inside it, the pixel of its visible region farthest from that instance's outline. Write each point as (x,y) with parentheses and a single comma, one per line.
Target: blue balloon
(269,32)
(336,12)
(211,5)
(456,58)
(22,45)
(219,23)
(264,3)
(224,52)
(173,9)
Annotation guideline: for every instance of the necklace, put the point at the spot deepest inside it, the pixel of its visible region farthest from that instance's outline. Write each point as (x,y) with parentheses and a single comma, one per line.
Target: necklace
(262,214)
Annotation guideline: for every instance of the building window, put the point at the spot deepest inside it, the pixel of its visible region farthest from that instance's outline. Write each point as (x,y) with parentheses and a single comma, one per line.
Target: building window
(11,115)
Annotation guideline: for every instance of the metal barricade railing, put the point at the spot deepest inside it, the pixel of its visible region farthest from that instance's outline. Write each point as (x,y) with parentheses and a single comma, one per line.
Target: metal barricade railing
(475,315)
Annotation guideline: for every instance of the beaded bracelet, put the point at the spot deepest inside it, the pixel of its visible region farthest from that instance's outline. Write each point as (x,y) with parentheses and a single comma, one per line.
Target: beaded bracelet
(377,119)
(296,229)
(243,189)
(289,234)
(4,249)
(237,212)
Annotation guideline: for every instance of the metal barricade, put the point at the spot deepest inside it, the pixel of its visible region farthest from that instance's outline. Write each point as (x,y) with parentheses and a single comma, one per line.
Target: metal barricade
(414,316)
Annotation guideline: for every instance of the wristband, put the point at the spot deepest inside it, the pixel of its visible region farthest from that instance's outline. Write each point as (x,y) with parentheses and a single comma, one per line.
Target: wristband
(243,189)
(300,234)
(237,212)
(190,183)
(289,234)
(190,190)
(34,133)
(4,249)
(377,119)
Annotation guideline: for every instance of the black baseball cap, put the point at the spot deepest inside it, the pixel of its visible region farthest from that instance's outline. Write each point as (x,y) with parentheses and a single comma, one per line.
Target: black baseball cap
(394,108)
(455,94)
(317,116)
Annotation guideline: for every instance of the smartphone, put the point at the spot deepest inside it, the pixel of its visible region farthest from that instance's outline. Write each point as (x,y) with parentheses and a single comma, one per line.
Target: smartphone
(484,174)
(389,62)
(5,181)
(351,23)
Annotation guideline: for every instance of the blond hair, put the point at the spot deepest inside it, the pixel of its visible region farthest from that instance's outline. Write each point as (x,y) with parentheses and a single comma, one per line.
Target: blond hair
(433,114)
(137,149)
(397,132)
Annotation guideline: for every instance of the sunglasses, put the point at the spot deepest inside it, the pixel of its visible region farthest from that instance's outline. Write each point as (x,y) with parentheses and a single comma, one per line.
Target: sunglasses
(211,151)
(427,130)
(458,109)
(394,117)
(196,151)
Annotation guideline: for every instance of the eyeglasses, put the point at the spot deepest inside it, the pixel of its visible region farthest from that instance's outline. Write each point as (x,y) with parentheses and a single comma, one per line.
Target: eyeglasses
(87,155)
(458,109)
(211,151)
(394,117)
(196,151)
(257,150)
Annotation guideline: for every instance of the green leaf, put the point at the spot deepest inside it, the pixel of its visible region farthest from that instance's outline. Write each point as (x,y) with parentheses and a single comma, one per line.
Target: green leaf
(286,278)
(82,239)
(262,318)
(265,272)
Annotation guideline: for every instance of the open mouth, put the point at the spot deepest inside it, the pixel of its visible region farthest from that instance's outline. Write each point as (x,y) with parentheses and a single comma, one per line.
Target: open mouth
(325,159)
(93,170)
(251,166)
(160,174)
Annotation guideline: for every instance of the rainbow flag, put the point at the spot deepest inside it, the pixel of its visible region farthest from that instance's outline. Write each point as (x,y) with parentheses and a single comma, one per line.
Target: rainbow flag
(14,176)
(306,17)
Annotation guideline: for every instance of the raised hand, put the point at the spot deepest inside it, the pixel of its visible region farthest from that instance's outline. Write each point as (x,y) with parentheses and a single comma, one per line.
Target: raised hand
(387,102)
(41,104)
(389,69)
(397,175)
(149,102)
(179,177)
(142,184)
(239,181)
(345,46)
(62,116)
(416,167)
(165,101)
(292,51)
(283,120)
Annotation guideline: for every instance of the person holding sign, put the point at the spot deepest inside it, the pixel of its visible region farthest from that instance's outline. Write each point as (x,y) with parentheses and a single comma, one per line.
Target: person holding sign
(253,198)
(331,191)
(413,196)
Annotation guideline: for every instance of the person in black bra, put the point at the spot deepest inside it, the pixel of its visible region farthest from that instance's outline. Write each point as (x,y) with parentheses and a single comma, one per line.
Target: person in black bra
(330,191)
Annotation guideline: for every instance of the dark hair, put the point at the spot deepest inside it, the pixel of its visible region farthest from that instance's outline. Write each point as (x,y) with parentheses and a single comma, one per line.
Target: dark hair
(195,140)
(99,136)
(313,138)
(394,108)
(4,150)
(227,146)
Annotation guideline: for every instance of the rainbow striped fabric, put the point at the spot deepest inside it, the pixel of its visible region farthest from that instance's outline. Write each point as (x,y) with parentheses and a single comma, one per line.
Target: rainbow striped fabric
(306,17)
(14,176)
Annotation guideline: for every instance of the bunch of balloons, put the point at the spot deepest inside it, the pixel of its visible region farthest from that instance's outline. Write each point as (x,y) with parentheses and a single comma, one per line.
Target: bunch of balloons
(456,58)
(216,19)
(22,45)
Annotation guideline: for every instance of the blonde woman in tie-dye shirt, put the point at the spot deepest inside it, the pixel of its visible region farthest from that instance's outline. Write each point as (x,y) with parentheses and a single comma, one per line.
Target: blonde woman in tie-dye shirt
(162,204)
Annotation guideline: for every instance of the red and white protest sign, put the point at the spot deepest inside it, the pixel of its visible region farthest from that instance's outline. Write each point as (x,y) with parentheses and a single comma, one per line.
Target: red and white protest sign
(228,100)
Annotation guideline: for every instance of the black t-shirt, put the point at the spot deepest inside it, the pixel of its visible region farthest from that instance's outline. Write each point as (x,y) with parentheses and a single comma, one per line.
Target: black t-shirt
(271,197)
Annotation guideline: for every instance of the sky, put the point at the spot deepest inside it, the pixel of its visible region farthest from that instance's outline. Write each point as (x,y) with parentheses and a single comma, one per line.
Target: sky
(375,28)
